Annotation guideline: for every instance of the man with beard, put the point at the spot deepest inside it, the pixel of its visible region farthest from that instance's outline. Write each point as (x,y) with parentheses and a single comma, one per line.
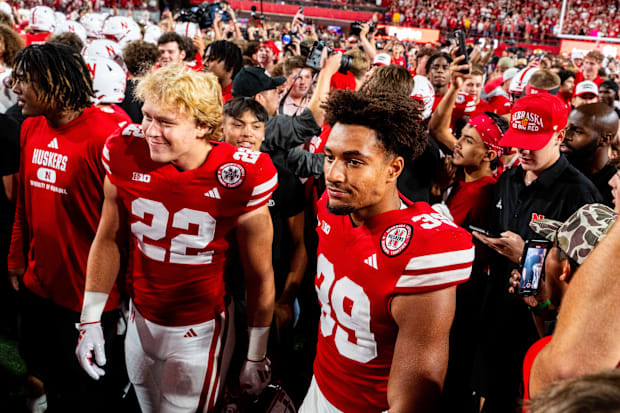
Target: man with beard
(438,69)
(589,133)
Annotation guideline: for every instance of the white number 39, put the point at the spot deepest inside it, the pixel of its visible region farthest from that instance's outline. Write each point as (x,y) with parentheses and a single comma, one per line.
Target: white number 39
(352,335)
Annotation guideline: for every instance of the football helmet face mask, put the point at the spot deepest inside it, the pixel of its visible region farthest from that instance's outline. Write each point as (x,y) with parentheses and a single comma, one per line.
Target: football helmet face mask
(42,18)
(109,79)
(424,93)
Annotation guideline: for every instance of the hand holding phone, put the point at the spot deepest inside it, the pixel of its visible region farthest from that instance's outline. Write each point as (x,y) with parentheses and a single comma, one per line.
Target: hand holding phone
(532,267)
(462,49)
(484,232)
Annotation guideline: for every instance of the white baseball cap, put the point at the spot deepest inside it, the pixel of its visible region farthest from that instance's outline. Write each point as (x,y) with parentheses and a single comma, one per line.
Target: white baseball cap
(382,59)
(587,86)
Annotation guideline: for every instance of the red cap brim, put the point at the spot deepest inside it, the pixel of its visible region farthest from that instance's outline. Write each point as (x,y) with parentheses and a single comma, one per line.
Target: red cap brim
(529,141)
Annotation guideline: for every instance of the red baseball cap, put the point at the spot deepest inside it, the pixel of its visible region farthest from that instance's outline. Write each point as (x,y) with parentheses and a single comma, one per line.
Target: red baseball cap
(533,121)
(271,45)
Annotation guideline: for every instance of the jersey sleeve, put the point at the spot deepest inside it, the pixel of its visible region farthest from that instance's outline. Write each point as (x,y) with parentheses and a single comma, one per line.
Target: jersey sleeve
(264,183)
(443,260)
(115,145)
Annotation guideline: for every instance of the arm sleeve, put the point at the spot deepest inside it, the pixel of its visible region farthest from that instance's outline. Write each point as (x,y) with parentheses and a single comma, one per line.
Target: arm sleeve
(305,164)
(19,234)
(264,184)
(9,156)
(439,262)
(284,132)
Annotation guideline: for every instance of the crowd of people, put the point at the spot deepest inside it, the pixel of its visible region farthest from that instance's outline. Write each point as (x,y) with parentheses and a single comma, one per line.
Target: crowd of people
(531,20)
(278,217)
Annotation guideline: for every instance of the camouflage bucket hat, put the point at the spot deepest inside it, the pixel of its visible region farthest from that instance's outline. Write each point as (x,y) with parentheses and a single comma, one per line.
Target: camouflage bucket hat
(580,233)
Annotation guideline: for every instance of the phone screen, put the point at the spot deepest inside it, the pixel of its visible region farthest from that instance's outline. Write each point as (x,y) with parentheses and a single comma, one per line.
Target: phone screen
(532,269)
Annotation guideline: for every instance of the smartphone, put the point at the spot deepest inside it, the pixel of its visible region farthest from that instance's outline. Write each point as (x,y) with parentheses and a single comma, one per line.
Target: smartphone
(462,49)
(301,10)
(483,231)
(532,267)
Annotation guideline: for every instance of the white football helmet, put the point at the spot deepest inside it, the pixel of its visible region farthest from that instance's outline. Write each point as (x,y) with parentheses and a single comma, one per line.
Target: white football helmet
(6,7)
(93,23)
(42,18)
(188,29)
(103,48)
(71,26)
(121,28)
(152,34)
(424,93)
(521,79)
(7,97)
(60,17)
(109,79)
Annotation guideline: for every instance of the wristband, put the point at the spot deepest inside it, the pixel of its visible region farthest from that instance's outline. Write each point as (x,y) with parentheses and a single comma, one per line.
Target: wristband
(257,343)
(93,306)
(540,307)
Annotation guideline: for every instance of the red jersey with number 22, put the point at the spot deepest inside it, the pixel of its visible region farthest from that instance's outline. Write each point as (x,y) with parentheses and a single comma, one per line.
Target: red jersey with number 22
(359,270)
(180,223)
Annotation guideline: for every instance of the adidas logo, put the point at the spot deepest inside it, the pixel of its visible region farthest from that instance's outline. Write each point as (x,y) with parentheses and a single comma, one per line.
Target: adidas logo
(53,144)
(190,333)
(213,193)
(372,261)
(499,204)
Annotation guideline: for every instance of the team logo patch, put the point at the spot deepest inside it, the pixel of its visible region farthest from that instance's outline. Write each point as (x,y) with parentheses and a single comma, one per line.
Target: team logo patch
(395,239)
(231,175)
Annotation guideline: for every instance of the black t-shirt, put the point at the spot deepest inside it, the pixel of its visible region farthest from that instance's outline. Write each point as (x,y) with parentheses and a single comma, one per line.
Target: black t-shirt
(9,164)
(130,104)
(287,201)
(418,176)
(601,182)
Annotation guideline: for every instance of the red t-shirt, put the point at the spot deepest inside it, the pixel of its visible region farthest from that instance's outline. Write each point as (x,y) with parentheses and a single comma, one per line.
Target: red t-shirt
(34,38)
(500,105)
(528,361)
(181,223)
(400,61)
(436,102)
(469,202)
(579,78)
(493,84)
(116,112)
(227,93)
(359,270)
(340,81)
(59,205)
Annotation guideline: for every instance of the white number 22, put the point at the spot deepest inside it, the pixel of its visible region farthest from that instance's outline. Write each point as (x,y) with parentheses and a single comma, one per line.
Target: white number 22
(361,348)
(180,243)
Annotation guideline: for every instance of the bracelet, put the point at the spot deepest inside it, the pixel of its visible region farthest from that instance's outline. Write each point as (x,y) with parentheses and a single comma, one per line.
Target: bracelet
(540,307)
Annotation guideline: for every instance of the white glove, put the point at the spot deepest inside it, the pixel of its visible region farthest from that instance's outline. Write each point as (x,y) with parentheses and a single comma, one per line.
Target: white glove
(91,338)
(255,376)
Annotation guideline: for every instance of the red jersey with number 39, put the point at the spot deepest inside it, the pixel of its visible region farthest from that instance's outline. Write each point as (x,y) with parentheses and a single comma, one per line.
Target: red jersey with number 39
(359,270)
(181,221)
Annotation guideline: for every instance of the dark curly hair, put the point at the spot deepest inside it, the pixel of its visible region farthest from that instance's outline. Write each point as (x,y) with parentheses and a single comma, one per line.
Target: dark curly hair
(394,117)
(57,73)
(139,57)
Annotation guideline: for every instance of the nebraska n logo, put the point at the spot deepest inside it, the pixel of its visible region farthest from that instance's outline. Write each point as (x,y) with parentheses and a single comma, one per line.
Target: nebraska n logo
(53,144)
(372,261)
(190,333)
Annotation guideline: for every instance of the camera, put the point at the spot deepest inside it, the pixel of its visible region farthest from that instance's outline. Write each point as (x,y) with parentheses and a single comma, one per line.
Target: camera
(205,14)
(356,28)
(314,58)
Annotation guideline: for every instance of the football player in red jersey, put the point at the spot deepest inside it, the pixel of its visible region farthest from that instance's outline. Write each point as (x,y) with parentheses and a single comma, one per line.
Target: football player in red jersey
(180,194)
(58,208)
(387,269)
